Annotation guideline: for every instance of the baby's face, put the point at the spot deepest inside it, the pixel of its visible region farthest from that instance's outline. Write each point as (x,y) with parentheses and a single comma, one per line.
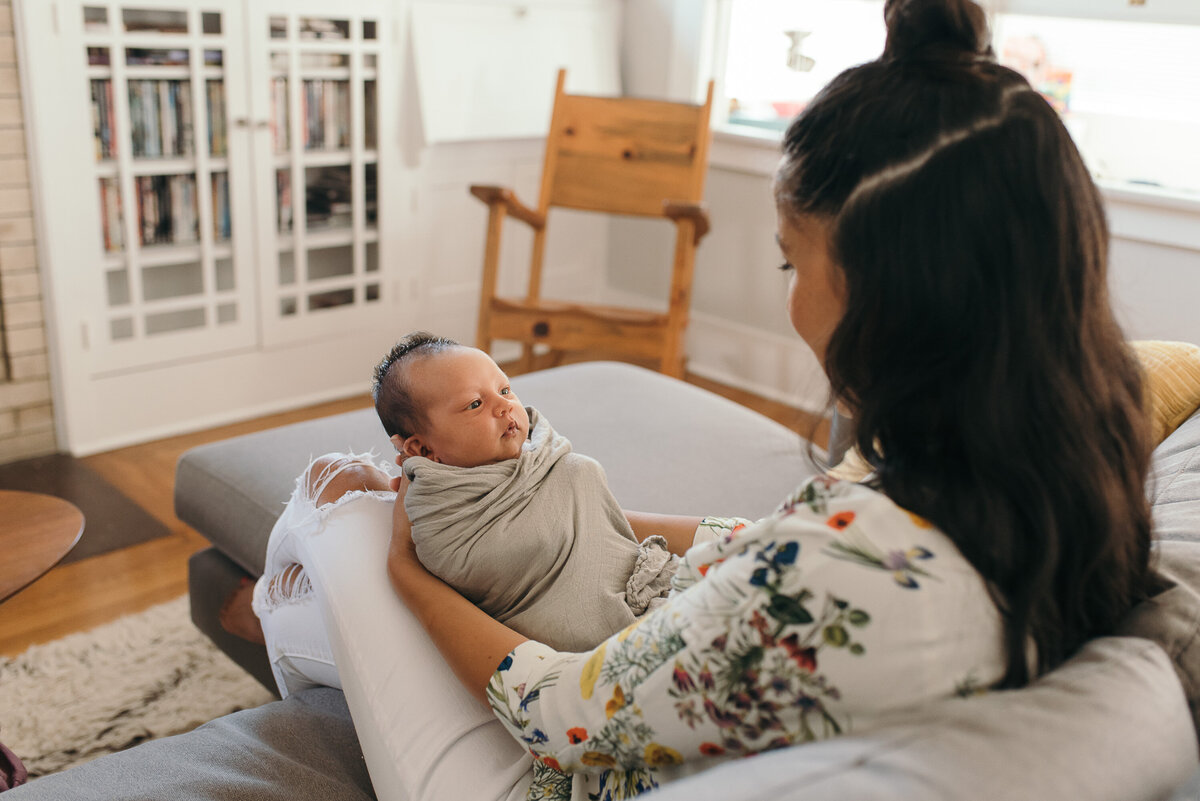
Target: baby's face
(474,416)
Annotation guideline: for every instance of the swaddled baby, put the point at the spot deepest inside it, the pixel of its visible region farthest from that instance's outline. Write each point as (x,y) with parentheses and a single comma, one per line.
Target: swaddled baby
(503,510)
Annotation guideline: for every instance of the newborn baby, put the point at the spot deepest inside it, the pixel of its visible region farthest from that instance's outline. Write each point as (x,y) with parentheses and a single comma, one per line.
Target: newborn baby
(503,510)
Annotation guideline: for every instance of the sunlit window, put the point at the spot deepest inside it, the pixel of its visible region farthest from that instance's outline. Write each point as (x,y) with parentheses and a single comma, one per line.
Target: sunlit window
(781,52)
(1127,90)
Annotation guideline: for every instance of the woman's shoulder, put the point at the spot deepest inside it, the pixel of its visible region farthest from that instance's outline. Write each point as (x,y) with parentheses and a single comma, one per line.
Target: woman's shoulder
(829,520)
(838,503)
(835,506)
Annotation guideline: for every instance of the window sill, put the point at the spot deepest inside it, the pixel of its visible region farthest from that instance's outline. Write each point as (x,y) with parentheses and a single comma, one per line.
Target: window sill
(1146,213)
(740,148)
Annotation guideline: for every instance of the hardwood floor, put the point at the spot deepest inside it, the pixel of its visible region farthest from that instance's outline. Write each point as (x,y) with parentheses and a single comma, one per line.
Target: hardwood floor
(93,591)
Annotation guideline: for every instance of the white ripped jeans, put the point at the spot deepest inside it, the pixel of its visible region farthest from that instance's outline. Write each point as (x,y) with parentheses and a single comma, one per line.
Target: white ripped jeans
(330,617)
(297,641)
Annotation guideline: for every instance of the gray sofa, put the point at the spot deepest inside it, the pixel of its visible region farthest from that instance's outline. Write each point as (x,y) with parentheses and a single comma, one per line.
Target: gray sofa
(1117,722)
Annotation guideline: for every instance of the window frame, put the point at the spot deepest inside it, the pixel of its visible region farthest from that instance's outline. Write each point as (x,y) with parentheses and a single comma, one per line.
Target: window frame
(744,148)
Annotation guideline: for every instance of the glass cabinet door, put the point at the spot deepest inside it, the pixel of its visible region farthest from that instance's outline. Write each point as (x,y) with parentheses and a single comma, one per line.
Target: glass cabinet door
(170,181)
(319,93)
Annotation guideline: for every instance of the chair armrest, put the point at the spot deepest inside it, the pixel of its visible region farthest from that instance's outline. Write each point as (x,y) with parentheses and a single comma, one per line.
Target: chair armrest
(493,195)
(695,212)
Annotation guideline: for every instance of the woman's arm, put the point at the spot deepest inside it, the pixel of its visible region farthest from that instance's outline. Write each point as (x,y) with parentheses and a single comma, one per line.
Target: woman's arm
(822,616)
(678,530)
(471,641)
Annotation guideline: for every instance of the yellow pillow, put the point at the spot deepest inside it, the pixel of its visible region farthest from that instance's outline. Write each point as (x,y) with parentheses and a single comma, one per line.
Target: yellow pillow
(1172,372)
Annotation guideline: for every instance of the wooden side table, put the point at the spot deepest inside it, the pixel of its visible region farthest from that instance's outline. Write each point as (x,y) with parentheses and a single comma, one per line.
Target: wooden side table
(36,532)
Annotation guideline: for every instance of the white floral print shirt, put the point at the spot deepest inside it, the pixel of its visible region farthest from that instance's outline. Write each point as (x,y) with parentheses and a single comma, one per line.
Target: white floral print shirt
(806,625)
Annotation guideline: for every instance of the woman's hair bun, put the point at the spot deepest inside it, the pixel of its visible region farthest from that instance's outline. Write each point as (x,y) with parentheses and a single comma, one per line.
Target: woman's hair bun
(935,30)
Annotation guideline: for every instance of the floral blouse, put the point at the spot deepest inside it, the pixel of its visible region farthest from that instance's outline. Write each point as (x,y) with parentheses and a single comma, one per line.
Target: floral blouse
(809,624)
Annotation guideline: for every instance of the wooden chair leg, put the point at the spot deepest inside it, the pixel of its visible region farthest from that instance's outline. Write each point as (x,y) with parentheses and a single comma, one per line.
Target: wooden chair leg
(526,362)
(672,362)
(487,289)
(672,365)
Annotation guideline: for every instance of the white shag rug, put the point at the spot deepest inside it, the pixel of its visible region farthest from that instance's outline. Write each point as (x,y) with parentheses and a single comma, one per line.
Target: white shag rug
(143,676)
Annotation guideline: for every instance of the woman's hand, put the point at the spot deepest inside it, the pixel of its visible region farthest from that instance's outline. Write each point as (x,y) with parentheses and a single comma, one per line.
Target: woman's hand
(403,565)
(471,642)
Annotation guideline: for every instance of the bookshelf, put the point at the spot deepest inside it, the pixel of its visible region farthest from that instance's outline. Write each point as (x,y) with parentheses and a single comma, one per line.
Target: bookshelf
(238,209)
(225,177)
(171,282)
(319,100)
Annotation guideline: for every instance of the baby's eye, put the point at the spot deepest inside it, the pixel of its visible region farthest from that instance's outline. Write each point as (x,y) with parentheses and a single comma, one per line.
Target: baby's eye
(506,391)
(475,404)
(785,266)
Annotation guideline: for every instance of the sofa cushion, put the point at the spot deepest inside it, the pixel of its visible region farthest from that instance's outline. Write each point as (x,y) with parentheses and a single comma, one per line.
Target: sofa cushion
(1174,483)
(666,447)
(294,750)
(1107,726)
(1172,618)
(232,491)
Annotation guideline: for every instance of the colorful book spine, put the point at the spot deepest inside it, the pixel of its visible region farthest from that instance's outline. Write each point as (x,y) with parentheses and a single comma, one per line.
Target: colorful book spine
(220,203)
(184,126)
(279,114)
(217,142)
(110,216)
(283,199)
(103,120)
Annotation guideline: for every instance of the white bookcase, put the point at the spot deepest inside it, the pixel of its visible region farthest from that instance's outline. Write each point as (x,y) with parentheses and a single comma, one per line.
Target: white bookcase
(239,207)
(157,240)
(208,176)
(319,81)
(235,162)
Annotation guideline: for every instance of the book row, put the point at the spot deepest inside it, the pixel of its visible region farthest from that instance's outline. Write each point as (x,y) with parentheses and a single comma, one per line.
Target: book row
(325,114)
(166,210)
(160,117)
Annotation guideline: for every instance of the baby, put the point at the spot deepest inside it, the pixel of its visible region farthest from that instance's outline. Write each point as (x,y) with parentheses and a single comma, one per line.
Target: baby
(502,509)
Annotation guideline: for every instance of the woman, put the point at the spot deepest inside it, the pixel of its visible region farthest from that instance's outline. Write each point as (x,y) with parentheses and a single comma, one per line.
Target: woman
(947,252)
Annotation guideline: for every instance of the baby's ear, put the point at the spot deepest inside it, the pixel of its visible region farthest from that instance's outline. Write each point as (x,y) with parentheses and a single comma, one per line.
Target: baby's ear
(415,446)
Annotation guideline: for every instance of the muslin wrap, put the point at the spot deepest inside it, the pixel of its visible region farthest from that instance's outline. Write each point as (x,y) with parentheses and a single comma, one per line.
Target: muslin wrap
(538,541)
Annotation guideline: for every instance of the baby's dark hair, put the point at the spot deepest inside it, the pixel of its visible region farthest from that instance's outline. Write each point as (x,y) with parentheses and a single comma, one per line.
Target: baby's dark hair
(394,402)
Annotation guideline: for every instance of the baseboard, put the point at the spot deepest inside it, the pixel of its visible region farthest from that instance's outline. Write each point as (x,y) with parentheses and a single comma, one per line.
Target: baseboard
(216,419)
(774,366)
(777,367)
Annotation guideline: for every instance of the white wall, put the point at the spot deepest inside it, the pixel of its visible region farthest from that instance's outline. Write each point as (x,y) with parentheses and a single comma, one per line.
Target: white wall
(739,333)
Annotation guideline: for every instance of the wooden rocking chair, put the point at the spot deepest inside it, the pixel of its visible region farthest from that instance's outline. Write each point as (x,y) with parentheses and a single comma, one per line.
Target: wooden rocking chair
(626,156)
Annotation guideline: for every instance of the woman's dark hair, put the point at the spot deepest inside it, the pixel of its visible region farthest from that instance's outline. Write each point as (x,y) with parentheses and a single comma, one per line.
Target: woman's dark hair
(990,385)
(398,410)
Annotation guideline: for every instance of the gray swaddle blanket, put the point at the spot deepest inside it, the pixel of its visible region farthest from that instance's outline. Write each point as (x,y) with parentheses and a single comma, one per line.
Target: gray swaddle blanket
(538,541)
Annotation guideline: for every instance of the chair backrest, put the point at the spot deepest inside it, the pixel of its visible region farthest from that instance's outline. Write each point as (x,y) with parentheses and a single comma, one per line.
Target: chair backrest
(624,155)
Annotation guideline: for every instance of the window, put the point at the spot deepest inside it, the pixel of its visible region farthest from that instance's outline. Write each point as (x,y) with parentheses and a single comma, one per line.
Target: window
(1126,90)
(1124,79)
(779,53)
